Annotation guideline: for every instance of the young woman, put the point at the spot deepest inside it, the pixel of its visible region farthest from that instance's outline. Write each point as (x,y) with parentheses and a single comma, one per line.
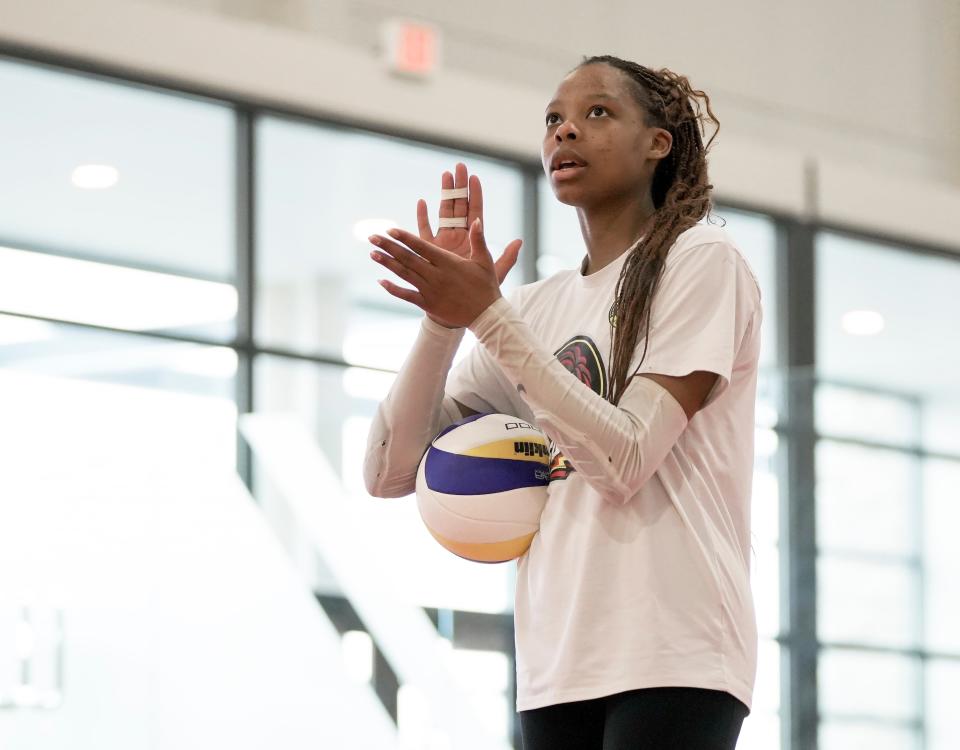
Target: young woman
(634,617)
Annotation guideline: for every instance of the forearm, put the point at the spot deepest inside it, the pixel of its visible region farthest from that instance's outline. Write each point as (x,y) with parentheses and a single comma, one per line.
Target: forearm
(412,413)
(616,448)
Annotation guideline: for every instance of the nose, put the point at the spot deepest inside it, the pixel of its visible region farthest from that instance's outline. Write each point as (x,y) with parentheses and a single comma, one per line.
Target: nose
(562,131)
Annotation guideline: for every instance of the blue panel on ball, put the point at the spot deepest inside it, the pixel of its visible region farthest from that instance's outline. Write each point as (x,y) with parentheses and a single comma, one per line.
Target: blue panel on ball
(453,474)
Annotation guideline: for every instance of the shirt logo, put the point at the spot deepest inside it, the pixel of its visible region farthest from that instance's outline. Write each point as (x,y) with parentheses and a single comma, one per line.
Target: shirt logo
(580,356)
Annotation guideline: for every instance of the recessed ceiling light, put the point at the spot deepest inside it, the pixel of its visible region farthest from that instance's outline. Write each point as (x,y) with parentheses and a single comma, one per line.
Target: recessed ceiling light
(863,323)
(95,176)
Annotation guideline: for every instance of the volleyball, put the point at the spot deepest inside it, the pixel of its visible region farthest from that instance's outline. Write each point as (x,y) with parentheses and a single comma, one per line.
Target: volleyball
(482,484)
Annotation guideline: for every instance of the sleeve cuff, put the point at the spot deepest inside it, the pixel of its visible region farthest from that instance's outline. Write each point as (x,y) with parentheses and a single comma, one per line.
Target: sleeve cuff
(435,329)
(489,318)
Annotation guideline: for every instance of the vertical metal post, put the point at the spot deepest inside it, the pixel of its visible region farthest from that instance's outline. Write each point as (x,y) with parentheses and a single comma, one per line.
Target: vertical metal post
(245,239)
(530,251)
(919,498)
(798,571)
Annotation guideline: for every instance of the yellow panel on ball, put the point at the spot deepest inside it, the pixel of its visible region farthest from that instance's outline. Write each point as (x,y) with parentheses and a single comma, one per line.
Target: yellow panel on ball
(489,552)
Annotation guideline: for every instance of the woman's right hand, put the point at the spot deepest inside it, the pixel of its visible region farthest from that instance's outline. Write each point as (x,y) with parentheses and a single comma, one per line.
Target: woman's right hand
(455,239)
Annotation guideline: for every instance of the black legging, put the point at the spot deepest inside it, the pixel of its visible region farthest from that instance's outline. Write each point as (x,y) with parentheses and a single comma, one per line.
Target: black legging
(662,718)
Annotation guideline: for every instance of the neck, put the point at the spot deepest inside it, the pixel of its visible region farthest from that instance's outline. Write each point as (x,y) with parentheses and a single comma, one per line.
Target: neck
(610,227)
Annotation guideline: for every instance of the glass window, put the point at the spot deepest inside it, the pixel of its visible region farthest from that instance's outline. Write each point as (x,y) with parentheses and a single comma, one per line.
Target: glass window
(862,601)
(860,735)
(87,402)
(942,688)
(322,191)
(104,171)
(766,694)
(561,240)
(56,355)
(765,581)
(888,330)
(765,529)
(81,291)
(765,506)
(939,420)
(866,684)
(842,412)
(885,518)
(866,499)
(765,521)
(941,511)
(764,534)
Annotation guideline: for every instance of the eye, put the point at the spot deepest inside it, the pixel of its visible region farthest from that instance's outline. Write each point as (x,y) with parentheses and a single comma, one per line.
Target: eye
(594,107)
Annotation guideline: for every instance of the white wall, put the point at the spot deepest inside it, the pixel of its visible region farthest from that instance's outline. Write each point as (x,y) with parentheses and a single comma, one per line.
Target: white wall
(863,92)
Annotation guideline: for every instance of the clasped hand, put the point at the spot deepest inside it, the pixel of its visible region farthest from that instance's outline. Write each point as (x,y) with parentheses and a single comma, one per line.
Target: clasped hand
(455,277)
(451,289)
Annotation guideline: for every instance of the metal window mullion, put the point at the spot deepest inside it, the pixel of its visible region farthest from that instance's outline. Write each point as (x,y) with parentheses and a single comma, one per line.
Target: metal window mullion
(796,317)
(530,250)
(921,580)
(245,239)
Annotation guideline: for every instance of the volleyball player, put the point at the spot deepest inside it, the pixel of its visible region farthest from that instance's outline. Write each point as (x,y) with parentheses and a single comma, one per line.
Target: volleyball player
(634,619)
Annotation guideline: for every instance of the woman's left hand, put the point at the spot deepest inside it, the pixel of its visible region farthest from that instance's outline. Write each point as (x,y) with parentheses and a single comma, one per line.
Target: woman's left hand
(452,289)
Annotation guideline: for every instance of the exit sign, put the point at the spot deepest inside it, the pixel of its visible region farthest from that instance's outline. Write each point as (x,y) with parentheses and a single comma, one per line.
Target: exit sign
(411,48)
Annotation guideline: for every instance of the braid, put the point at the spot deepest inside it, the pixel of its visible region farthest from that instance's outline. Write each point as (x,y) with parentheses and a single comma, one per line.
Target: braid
(681,197)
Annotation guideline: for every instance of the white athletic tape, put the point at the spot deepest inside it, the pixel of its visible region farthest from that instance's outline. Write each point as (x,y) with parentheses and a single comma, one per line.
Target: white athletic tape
(453,221)
(448,193)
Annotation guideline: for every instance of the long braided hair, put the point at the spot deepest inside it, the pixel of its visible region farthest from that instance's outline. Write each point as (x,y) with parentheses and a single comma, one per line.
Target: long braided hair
(681,197)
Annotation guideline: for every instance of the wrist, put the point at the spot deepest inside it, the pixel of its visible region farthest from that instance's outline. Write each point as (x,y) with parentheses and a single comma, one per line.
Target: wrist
(489,318)
(434,324)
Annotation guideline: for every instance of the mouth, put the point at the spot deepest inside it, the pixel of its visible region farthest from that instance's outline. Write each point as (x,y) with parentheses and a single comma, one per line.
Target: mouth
(565,172)
(567,164)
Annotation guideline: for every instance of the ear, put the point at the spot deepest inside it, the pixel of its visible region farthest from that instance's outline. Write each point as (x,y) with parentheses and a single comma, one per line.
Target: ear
(661,142)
